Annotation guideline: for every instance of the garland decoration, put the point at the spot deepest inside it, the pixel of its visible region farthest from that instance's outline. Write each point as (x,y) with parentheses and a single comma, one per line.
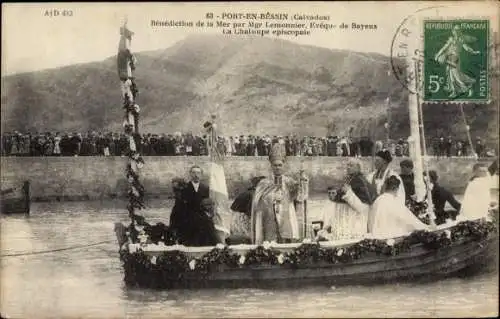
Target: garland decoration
(126,63)
(220,255)
(174,265)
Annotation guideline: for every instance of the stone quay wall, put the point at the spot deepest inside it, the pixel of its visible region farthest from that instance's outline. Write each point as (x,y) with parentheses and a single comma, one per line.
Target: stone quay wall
(91,178)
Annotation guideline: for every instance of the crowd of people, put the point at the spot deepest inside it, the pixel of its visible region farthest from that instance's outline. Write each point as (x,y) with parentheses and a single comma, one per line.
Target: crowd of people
(177,144)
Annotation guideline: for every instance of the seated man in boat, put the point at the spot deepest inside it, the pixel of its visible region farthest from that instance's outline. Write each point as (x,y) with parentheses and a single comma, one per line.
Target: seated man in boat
(440,196)
(273,216)
(242,210)
(389,217)
(357,192)
(205,227)
(347,217)
(382,172)
(477,196)
(418,208)
(408,179)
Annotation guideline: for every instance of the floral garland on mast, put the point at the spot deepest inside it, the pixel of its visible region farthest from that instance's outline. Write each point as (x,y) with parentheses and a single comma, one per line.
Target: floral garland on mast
(126,66)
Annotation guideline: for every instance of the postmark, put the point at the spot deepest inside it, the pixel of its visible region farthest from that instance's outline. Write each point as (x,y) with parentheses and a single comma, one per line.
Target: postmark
(406,53)
(413,52)
(456,60)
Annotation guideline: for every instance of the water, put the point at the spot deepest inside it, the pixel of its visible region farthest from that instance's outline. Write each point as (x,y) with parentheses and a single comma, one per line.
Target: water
(88,282)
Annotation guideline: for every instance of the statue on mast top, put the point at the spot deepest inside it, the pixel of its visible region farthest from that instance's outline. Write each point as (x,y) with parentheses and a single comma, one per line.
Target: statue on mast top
(126,63)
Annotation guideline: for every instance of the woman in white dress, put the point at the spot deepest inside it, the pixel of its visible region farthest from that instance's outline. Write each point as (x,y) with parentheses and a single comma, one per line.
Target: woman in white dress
(389,217)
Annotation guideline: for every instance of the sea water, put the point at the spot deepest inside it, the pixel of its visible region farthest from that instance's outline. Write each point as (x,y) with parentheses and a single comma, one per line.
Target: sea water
(88,282)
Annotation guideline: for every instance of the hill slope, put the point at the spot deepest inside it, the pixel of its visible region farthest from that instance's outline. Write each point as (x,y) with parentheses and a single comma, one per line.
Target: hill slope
(254,85)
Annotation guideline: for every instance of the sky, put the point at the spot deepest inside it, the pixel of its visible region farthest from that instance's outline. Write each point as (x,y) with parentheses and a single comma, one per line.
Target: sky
(34,40)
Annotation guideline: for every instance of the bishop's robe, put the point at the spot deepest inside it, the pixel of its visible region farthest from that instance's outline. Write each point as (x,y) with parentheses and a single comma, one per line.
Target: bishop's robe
(272,220)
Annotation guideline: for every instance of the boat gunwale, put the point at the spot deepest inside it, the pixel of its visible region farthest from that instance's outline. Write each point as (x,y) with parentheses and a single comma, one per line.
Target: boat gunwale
(462,256)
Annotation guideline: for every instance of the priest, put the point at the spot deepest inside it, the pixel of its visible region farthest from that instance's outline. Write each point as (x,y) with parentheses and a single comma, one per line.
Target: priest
(477,197)
(273,214)
(388,216)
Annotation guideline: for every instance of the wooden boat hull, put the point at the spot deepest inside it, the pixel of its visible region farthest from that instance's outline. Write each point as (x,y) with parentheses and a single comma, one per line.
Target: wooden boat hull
(16,202)
(418,264)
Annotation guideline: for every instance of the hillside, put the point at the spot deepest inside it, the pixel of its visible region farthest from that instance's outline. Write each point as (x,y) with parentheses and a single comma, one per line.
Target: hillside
(254,85)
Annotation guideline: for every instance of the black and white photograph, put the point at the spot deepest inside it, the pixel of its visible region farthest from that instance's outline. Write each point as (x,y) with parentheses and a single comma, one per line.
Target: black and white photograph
(249,160)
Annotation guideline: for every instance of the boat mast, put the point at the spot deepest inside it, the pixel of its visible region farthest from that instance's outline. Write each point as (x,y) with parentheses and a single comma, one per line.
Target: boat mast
(414,140)
(417,140)
(430,204)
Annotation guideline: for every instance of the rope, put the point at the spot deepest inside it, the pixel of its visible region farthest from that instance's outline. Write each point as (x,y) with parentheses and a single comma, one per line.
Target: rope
(40,252)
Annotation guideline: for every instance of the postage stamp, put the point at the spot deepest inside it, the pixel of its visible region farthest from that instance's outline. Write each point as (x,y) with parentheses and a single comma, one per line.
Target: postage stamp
(456,59)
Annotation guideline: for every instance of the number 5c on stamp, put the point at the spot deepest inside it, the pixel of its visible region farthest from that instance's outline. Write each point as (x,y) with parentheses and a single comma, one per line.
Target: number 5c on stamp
(456,61)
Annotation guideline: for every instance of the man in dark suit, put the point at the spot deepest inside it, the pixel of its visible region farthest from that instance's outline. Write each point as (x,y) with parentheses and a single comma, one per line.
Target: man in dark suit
(440,196)
(192,196)
(408,178)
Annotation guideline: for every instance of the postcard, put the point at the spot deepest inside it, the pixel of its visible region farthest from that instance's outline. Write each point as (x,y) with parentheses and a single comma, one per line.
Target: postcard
(249,159)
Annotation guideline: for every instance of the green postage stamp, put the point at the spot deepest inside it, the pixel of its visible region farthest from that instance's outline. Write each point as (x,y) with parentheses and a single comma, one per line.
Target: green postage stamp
(456,58)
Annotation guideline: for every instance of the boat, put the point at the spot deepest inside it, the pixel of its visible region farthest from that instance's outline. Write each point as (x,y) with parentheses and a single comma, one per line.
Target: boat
(448,251)
(16,200)
(454,248)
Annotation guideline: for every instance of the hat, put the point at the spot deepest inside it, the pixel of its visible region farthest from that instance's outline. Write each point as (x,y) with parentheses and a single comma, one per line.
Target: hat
(385,155)
(277,152)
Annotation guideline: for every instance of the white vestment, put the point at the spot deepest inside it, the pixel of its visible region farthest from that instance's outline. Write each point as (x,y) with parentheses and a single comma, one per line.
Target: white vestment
(347,220)
(380,182)
(477,198)
(391,218)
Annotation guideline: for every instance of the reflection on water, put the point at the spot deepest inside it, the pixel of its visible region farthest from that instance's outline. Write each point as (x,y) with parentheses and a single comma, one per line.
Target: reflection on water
(88,282)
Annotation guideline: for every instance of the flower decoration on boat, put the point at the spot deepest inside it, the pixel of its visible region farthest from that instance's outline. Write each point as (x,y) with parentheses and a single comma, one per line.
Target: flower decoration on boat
(192,264)
(242,259)
(216,257)
(306,241)
(137,108)
(266,245)
(281,259)
(170,266)
(261,255)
